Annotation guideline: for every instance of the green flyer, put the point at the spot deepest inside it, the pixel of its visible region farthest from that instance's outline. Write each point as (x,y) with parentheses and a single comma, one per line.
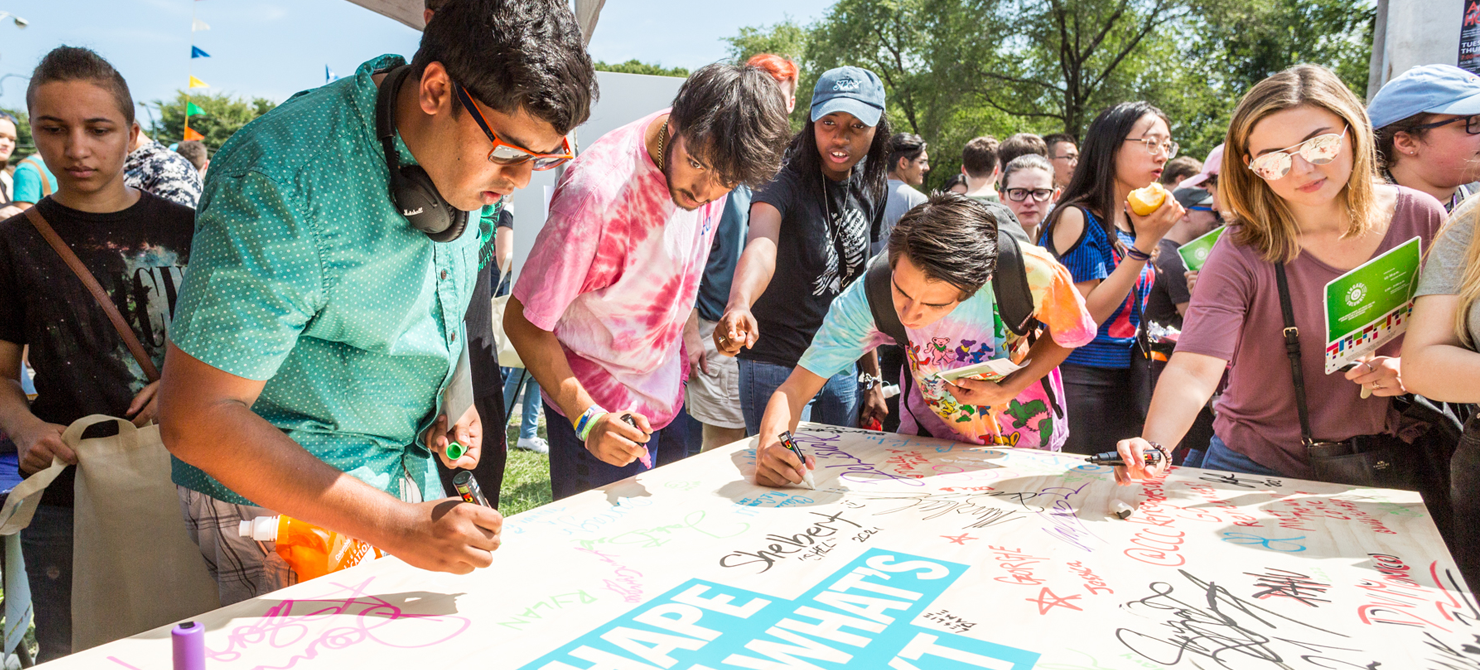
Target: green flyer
(1195,253)
(1369,306)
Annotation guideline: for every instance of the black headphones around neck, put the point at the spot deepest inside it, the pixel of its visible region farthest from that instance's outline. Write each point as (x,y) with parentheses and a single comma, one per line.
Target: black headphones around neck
(412,191)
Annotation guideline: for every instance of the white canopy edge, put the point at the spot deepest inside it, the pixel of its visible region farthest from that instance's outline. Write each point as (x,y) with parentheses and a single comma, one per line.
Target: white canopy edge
(409,12)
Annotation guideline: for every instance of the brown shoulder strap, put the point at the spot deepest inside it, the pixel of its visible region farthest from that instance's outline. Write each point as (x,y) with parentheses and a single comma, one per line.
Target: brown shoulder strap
(40,172)
(124,331)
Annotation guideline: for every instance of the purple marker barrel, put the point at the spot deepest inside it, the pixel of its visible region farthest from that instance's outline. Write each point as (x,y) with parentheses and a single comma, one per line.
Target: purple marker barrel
(190,646)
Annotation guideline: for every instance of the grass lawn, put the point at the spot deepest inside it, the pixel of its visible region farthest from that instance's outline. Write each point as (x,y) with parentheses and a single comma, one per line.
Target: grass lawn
(527,475)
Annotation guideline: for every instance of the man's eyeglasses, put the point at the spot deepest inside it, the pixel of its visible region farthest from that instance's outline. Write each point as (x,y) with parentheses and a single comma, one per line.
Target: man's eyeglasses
(1472,124)
(1154,145)
(1072,158)
(1021,194)
(504,153)
(1316,151)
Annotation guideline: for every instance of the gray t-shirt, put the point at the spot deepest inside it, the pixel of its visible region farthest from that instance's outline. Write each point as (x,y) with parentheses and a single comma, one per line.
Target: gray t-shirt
(902,198)
(1445,267)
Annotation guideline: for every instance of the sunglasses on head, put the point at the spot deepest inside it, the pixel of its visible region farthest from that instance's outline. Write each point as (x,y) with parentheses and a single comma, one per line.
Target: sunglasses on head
(1318,150)
(504,153)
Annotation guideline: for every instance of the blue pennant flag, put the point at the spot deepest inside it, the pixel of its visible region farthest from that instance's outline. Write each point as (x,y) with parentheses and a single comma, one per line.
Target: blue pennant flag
(196,52)
(329,75)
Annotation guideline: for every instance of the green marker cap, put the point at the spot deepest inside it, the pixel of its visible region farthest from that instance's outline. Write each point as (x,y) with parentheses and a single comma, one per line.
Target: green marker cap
(455,451)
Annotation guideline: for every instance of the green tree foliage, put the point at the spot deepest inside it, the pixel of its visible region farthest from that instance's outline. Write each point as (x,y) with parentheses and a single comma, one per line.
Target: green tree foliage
(957,69)
(785,39)
(635,66)
(24,144)
(222,116)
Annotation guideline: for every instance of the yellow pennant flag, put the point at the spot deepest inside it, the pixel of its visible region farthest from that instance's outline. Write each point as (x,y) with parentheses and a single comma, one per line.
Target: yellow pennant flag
(196,83)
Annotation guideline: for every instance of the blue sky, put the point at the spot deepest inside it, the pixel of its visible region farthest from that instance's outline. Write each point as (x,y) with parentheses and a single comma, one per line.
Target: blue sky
(274,48)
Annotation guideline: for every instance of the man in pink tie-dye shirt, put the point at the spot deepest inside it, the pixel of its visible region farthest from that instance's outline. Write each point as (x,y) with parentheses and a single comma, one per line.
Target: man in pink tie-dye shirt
(599,311)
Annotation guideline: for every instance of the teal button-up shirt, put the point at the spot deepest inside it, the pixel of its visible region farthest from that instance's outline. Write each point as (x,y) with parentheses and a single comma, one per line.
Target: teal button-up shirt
(304,275)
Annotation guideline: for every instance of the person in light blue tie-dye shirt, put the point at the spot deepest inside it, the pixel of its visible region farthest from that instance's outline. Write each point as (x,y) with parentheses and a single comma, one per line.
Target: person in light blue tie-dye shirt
(943,255)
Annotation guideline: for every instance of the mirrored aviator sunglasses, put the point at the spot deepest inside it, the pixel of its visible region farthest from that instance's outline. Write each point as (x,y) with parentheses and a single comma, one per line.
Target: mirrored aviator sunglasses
(1316,151)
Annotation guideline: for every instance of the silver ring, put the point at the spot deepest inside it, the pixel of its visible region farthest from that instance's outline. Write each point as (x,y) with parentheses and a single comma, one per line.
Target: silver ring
(1376,386)
(1369,366)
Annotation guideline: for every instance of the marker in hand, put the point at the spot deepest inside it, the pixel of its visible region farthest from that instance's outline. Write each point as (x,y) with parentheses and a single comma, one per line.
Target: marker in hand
(468,488)
(791,446)
(1151,456)
(647,456)
(455,451)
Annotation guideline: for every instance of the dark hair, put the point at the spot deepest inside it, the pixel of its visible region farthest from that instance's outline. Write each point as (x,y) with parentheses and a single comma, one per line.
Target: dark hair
(434,5)
(951,181)
(193,151)
(514,54)
(951,238)
(979,157)
(1093,183)
(732,117)
(1020,144)
(1179,168)
(908,146)
(1387,156)
(66,63)
(1050,140)
(807,159)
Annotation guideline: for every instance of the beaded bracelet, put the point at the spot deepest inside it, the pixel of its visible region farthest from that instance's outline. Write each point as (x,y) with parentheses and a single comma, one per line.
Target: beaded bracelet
(1136,254)
(588,421)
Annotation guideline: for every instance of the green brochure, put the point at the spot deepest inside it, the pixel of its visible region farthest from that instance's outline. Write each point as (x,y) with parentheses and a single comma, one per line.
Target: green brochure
(1369,306)
(1195,253)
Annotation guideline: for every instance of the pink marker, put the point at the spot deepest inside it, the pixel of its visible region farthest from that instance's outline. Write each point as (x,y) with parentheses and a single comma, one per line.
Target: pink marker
(647,456)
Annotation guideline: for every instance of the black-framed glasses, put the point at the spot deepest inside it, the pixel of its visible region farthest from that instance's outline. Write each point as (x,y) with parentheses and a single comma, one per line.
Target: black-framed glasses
(1021,194)
(1154,145)
(504,153)
(1472,124)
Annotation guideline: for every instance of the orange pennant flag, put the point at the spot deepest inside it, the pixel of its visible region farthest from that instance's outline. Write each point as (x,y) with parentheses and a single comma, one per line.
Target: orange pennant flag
(192,135)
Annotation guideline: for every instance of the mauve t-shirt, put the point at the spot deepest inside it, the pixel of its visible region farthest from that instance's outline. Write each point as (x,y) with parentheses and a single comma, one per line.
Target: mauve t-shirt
(1235,316)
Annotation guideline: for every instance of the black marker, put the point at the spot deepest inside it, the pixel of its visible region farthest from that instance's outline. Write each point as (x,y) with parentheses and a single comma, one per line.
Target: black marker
(647,456)
(468,488)
(1152,456)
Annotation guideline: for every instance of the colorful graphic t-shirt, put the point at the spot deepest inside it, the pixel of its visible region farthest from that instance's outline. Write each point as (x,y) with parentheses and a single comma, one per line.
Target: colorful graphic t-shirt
(138,255)
(615,272)
(972,333)
(1094,256)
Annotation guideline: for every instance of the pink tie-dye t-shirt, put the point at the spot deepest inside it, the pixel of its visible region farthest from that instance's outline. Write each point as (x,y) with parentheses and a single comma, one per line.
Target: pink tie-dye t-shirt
(615,273)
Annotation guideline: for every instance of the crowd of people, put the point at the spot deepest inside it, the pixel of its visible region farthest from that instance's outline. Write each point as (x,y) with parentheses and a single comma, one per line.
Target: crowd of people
(300,313)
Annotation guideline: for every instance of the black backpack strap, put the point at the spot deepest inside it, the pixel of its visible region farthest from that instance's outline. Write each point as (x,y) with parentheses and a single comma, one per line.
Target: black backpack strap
(877,286)
(1010,287)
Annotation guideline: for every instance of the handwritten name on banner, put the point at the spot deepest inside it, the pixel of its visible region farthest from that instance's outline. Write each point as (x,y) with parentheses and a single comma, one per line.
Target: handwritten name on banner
(858,617)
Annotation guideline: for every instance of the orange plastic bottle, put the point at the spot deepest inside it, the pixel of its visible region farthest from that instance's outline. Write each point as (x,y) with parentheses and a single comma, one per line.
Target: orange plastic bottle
(310,551)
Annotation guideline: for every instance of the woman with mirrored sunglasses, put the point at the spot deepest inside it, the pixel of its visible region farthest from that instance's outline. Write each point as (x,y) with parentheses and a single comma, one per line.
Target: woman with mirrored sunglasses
(1428,131)
(1299,176)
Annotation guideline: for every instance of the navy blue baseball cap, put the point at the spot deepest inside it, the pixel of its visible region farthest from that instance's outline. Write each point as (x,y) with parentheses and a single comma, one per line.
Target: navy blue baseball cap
(1432,89)
(849,89)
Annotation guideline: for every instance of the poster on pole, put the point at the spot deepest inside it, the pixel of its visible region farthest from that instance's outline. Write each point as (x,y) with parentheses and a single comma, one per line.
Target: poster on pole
(1469,38)
(1369,306)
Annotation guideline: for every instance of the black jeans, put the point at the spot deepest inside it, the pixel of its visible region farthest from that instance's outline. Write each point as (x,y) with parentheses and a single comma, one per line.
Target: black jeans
(47,547)
(1464,478)
(1105,405)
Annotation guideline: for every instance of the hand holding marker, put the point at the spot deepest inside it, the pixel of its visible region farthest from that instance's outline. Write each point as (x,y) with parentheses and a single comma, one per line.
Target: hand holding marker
(791,446)
(647,456)
(1113,457)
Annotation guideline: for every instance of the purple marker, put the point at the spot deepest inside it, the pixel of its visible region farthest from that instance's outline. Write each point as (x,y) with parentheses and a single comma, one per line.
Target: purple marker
(190,646)
(647,456)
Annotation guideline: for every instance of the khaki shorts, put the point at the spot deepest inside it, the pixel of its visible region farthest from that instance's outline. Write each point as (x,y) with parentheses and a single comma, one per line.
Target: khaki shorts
(714,399)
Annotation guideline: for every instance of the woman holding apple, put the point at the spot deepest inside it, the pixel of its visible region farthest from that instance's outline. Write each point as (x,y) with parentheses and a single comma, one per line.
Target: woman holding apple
(1106,245)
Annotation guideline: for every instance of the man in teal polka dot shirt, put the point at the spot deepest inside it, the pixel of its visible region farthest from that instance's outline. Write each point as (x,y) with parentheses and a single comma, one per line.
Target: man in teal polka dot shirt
(317,328)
